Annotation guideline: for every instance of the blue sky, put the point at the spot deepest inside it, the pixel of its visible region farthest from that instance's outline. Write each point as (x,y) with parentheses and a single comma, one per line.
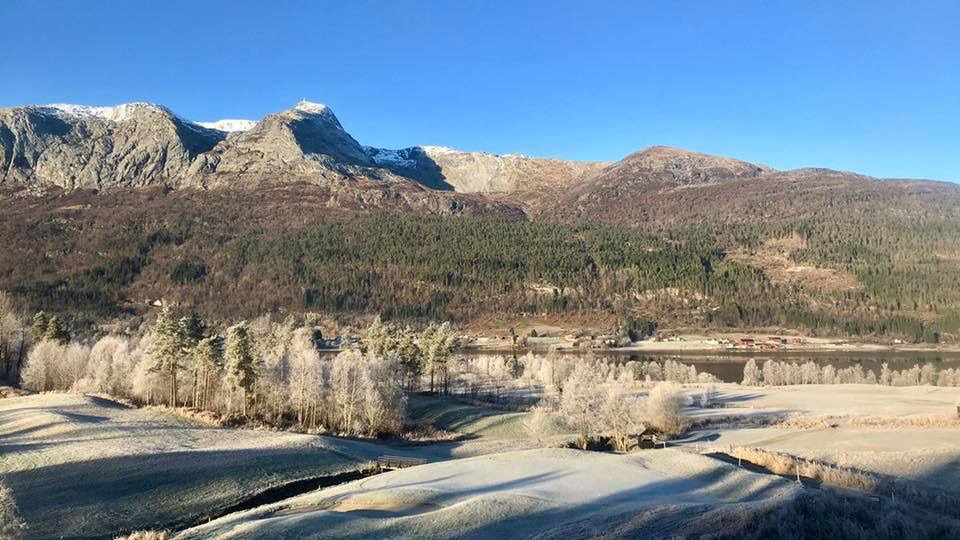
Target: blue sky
(872,87)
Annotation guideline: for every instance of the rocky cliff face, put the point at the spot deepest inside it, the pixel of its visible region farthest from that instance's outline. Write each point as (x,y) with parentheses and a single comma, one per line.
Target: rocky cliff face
(136,144)
(513,178)
(306,143)
(139,144)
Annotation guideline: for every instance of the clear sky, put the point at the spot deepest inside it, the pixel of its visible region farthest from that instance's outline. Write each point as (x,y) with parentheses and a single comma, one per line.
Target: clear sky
(870,86)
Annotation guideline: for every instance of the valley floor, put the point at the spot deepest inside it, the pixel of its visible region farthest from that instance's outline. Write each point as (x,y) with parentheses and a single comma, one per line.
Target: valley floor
(81,466)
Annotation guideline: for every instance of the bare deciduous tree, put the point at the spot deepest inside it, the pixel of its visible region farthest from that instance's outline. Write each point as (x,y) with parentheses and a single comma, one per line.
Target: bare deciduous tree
(581,402)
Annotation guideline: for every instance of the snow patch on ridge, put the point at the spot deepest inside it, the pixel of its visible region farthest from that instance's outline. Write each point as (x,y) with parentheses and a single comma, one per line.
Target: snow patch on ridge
(229,125)
(117,113)
(438,150)
(393,158)
(311,107)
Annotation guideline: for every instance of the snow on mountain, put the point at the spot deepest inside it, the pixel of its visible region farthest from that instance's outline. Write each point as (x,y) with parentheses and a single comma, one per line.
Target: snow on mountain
(116,113)
(229,125)
(439,150)
(390,158)
(311,107)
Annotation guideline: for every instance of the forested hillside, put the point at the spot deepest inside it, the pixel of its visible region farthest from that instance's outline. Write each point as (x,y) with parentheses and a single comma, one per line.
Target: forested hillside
(237,254)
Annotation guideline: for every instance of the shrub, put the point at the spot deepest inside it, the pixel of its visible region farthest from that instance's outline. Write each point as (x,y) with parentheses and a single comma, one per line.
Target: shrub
(665,403)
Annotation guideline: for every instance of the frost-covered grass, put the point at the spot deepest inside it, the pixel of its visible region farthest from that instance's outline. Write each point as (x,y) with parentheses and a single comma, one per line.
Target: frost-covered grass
(473,421)
(513,494)
(85,466)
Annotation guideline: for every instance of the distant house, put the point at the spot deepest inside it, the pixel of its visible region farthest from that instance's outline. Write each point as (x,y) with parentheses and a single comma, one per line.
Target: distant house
(746,342)
(330,343)
(776,340)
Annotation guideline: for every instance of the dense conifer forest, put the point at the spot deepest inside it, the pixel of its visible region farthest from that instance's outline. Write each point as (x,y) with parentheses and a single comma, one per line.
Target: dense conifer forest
(229,257)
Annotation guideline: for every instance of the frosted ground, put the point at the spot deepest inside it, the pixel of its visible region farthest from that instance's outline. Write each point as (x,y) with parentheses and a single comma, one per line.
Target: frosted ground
(514,494)
(84,466)
(910,432)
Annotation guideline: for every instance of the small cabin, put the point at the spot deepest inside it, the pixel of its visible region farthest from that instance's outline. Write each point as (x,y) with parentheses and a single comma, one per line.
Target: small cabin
(746,342)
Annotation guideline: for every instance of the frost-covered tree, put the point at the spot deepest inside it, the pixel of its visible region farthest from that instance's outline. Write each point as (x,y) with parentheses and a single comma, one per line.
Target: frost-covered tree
(42,370)
(621,416)
(241,364)
(12,339)
(886,375)
(708,394)
(581,401)
(306,378)
(772,374)
(751,375)
(810,373)
(538,425)
(384,405)
(928,374)
(347,388)
(664,405)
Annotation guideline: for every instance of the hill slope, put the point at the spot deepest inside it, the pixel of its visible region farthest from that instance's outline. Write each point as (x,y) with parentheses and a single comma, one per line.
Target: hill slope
(127,204)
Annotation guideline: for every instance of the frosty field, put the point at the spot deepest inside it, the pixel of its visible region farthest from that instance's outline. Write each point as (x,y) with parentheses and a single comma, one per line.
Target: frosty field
(513,494)
(82,466)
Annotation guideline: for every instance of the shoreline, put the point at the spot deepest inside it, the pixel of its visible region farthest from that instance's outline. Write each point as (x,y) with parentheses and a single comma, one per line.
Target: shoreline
(703,345)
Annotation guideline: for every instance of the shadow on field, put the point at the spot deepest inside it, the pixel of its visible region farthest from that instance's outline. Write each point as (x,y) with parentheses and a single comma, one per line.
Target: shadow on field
(102,497)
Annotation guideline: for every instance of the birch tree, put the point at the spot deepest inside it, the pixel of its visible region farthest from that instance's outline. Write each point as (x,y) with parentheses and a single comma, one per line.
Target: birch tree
(581,402)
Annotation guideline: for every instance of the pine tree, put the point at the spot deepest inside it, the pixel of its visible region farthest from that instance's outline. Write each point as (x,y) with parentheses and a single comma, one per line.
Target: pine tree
(208,357)
(39,327)
(410,355)
(240,362)
(57,331)
(436,344)
(192,329)
(168,348)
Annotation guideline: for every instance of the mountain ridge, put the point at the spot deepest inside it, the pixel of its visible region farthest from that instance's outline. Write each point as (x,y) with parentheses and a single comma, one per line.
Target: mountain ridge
(140,144)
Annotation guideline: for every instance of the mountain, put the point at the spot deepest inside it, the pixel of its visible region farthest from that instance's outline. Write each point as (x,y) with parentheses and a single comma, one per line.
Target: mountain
(513,177)
(663,186)
(135,144)
(106,209)
(139,144)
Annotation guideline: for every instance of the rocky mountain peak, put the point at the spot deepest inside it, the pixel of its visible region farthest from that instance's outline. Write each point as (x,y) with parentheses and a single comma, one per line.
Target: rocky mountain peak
(665,164)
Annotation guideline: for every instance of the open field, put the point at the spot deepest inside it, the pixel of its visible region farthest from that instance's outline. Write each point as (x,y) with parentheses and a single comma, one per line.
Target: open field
(514,494)
(84,466)
(908,432)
